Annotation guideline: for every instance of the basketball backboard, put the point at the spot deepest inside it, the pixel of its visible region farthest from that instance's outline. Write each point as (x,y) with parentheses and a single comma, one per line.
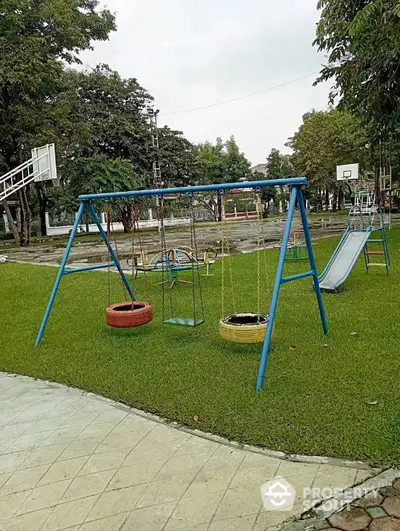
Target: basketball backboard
(347,172)
(44,163)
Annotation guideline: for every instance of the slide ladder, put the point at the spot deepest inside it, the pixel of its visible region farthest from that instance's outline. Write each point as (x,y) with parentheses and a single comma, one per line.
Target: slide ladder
(40,167)
(353,242)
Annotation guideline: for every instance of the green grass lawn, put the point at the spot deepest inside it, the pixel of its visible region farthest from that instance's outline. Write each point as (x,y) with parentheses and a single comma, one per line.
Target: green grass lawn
(318,400)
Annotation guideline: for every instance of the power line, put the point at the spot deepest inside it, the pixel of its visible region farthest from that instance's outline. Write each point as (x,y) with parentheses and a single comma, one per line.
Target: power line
(242,97)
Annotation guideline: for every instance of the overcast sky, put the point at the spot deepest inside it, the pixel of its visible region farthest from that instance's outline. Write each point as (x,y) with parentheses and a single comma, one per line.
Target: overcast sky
(191,54)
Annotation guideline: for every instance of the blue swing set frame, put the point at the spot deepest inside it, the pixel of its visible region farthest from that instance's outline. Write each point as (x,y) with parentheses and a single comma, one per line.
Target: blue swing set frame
(296,196)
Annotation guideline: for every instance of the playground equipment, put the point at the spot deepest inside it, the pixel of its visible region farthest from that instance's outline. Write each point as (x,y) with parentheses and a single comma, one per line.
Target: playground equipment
(354,241)
(296,196)
(242,327)
(176,257)
(171,269)
(40,167)
(296,249)
(133,313)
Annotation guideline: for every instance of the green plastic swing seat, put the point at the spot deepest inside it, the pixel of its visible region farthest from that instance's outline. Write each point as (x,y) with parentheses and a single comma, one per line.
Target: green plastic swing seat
(180,321)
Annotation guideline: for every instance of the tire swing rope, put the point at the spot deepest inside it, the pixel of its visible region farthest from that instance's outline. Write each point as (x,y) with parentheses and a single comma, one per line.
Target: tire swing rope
(243,328)
(129,314)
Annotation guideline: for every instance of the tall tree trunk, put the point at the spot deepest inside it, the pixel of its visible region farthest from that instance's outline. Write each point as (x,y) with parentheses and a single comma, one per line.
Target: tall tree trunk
(12,225)
(127,219)
(42,199)
(26,217)
(326,199)
(334,200)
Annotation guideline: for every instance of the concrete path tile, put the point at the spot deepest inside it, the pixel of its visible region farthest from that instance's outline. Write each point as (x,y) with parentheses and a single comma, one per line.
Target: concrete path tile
(197,445)
(225,456)
(79,419)
(237,502)
(242,523)
(100,429)
(62,435)
(44,496)
(69,514)
(163,434)
(289,468)
(45,424)
(214,480)
(111,414)
(43,455)
(28,521)
(334,477)
(117,441)
(128,476)
(300,483)
(63,470)
(267,519)
(149,518)
(80,448)
(88,485)
(3,479)
(116,502)
(10,503)
(148,452)
(133,423)
(10,462)
(362,475)
(165,491)
(23,480)
(12,431)
(194,511)
(111,523)
(185,464)
(104,461)
(254,472)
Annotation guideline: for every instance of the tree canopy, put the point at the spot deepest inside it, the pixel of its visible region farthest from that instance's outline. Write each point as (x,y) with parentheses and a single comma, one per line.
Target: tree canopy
(36,39)
(362,40)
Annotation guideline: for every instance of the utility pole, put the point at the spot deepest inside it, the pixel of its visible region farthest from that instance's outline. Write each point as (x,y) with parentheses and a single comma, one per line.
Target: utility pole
(157,177)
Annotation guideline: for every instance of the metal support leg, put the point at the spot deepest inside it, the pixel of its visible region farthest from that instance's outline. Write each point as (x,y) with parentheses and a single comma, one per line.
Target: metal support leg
(275,293)
(311,258)
(60,274)
(110,249)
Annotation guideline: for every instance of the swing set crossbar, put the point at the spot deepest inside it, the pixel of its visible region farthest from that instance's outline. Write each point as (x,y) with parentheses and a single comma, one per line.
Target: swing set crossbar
(296,197)
(292,181)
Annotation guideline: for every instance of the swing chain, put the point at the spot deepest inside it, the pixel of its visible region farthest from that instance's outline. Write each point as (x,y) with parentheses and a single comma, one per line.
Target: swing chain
(135,228)
(226,249)
(164,256)
(193,244)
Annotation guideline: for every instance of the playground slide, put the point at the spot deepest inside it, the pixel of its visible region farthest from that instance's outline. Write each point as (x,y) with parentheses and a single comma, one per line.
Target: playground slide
(343,259)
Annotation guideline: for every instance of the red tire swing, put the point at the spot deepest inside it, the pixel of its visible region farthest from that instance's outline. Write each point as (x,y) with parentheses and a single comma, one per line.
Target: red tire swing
(131,313)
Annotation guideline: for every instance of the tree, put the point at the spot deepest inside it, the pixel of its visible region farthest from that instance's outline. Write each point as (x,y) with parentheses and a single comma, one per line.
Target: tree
(99,173)
(279,167)
(36,38)
(362,39)
(220,163)
(177,158)
(323,141)
(268,193)
(237,165)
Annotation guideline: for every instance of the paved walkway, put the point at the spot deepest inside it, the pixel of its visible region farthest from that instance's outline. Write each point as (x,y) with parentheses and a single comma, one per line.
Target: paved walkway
(69,460)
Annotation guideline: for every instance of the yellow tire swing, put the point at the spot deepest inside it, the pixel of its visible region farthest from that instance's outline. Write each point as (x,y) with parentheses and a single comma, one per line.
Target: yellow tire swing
(245,327)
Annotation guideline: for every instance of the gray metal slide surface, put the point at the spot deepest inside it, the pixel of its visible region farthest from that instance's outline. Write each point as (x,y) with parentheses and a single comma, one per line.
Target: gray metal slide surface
(344,258)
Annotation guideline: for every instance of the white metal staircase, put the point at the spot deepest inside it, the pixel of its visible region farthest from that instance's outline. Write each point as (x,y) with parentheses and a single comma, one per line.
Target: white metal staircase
(40,167)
